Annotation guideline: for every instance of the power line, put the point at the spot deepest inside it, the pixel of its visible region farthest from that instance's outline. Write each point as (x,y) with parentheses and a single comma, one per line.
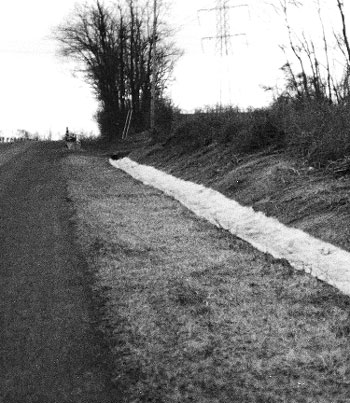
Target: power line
(222,38)
(223,29)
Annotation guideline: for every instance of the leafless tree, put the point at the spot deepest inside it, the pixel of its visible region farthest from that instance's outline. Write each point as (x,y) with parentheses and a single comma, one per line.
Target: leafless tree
(340,5)
(113,48)
(314,79)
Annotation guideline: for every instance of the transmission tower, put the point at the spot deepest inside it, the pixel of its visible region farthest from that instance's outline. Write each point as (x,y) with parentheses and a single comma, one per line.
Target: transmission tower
(223,29)
(222,40)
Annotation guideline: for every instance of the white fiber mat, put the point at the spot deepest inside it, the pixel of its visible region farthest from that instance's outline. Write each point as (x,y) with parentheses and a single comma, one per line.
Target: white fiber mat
(303,252)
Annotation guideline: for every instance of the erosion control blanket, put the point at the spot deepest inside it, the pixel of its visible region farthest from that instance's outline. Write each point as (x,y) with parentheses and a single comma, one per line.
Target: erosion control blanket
(303,252)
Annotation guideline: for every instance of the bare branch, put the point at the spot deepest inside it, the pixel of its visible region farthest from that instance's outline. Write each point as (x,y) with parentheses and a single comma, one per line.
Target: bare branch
(344,30)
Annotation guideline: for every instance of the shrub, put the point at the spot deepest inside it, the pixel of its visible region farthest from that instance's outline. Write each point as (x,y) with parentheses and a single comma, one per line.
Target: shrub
(164,118)
(265,133)
(319,131)
(191,134)
(230,130)
(243,131)
(109,123)
(250,131)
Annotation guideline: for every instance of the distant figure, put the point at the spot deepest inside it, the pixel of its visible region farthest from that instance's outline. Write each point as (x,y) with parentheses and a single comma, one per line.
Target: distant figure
(70,139)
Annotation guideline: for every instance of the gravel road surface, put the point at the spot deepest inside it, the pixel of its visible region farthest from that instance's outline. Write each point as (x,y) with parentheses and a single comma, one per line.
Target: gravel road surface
(49,349)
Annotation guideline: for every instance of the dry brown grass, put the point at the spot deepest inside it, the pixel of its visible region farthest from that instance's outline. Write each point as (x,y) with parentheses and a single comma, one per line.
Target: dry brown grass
(194,314)
(10,150)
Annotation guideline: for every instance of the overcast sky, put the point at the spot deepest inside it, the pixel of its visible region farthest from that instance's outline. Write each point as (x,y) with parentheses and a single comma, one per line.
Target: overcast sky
(38,91)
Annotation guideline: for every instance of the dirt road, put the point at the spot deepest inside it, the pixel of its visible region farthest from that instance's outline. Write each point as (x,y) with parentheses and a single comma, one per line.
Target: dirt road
(49,351)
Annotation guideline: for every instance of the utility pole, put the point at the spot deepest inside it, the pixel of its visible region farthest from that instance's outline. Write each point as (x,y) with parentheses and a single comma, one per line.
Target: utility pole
(154,67)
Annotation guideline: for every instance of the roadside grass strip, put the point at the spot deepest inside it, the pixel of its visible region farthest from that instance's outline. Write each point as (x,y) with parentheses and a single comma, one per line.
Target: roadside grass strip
(304,252)
(10,150)
(191,313)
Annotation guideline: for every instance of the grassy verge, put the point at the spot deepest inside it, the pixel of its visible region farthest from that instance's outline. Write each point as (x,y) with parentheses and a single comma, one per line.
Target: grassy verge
(10,150)
(193,314)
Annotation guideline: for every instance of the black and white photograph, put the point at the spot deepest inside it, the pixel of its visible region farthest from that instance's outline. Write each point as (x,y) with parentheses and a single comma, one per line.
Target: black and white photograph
(175,201)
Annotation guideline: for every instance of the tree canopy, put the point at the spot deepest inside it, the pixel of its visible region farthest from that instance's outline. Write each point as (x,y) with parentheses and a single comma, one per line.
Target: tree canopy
(114,48)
